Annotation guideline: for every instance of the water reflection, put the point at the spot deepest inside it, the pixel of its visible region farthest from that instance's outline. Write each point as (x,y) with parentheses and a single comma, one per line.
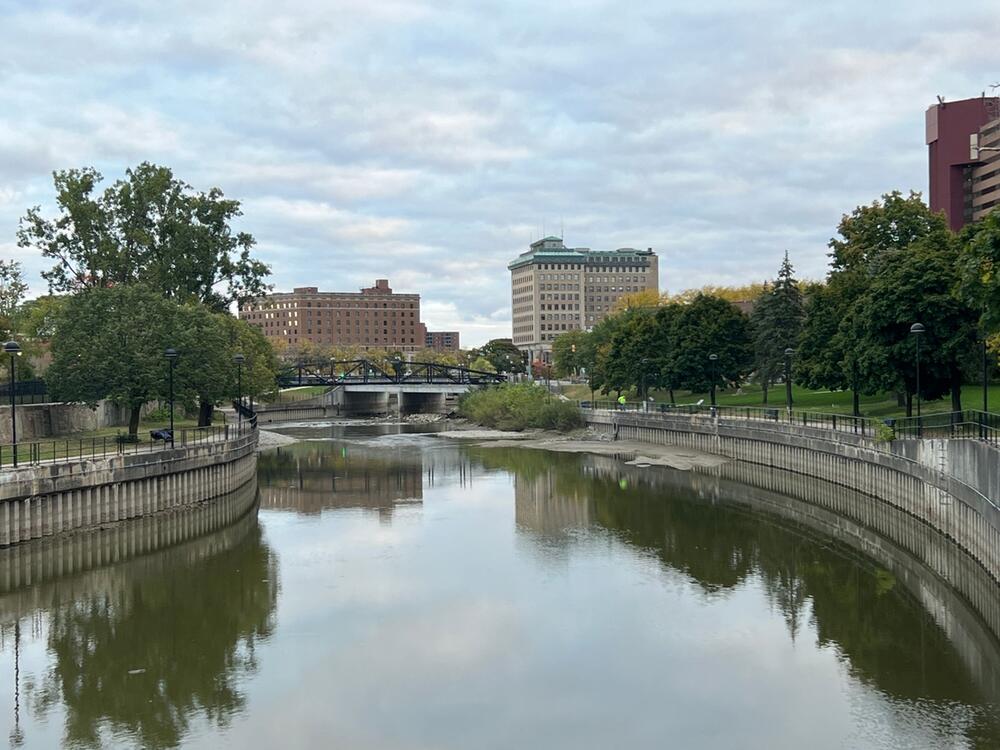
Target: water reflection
(443,595)
(139,649)
(894,624)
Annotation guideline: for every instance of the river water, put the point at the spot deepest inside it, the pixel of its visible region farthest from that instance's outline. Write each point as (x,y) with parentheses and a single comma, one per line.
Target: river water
(393,589)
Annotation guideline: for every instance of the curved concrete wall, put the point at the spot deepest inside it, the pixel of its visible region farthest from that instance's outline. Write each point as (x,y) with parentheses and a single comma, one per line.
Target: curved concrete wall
(51,498)
(949,485)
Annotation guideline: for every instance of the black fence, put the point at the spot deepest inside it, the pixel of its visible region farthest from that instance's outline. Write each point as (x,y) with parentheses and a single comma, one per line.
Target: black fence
(968,424)
(61,450)
(25,392)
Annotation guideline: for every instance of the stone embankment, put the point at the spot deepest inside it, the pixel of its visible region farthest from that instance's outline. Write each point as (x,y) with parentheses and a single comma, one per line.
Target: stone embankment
(951,485)
(50,498)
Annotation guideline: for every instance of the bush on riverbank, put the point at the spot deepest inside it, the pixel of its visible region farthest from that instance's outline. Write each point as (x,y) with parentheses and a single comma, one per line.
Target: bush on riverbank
(516,407)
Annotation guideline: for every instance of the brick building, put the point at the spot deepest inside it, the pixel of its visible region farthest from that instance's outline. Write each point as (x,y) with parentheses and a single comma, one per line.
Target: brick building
(374,318)
(964,186)
(444,341)
(555,289)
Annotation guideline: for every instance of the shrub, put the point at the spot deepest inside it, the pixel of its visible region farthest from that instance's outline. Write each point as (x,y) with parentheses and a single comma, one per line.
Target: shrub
(516,407)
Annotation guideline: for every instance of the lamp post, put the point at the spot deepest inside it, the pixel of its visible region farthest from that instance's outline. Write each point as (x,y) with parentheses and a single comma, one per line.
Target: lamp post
(171,355)
(986,377)
(714,359)
(643,363)
(788,379)
(14,350)
(239,359)
(917,329)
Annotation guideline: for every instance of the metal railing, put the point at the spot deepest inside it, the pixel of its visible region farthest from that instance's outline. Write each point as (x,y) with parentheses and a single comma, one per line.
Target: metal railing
(968,424)
(63,450)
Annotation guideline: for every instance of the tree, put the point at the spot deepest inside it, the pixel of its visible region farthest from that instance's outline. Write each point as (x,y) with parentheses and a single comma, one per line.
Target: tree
(746,293)
(481,364)
(630,361)
(149,228)
(259,372)
(711,325)
(979,269)
(892,223)
(820,358)
(908,286)
(503,354)
(109,343)
(12,289)
(569,352)
(776,323)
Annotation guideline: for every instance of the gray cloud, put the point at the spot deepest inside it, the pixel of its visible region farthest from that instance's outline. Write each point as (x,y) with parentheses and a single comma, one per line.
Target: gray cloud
(430,142)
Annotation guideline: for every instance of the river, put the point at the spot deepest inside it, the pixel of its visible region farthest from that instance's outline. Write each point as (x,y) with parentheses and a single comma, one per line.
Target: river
(393,589)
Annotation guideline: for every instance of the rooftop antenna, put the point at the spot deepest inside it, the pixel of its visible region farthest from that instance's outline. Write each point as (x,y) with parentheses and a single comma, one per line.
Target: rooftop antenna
(562,229)
(940,100)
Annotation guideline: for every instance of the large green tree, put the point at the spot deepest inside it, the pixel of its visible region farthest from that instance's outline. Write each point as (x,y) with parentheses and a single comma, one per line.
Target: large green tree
(148,228)
(706,326)
(891,223)
(915,284)
(835,351)
(109,343)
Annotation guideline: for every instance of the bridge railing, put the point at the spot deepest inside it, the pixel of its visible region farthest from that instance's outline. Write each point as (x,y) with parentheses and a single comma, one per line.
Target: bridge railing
(396,373)
(968,424)
(68,449)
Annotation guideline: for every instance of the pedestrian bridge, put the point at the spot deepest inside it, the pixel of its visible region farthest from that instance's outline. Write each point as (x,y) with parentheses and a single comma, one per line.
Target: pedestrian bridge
(365,372)
(363,387)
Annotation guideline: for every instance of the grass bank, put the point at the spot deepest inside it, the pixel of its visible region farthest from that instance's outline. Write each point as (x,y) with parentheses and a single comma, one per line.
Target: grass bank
(826,402)
(518,407)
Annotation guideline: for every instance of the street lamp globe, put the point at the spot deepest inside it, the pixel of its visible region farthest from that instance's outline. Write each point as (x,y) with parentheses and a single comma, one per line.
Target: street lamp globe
(170,354)
(12,348)
(239,359)
(917,329)
(789,352)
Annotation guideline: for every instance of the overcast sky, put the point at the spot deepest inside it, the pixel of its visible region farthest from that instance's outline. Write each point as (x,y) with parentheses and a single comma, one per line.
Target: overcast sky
(430,142)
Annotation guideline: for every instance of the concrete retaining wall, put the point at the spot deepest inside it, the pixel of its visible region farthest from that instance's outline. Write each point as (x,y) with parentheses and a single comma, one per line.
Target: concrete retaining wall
(39,421)
(51,498)
(950,485)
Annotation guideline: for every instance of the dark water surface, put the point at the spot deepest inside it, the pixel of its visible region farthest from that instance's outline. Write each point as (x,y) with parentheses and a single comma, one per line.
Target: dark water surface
(397,590)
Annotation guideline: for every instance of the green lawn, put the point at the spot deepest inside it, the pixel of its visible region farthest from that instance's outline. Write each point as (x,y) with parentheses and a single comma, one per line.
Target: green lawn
(829,402)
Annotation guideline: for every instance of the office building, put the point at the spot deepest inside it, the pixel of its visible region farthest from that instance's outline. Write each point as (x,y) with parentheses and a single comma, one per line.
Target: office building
(555,289)
(965,188)
(374,318)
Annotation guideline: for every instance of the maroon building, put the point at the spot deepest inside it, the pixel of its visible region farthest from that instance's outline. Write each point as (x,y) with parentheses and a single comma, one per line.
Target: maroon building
(949,125)
(444,341)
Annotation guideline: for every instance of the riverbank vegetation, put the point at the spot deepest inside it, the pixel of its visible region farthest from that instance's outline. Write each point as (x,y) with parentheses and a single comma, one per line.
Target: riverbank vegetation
(893,264)
(145,265)
(518,407)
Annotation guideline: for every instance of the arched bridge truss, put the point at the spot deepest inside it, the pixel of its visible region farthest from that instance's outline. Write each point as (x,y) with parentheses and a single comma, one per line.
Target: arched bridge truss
(367,372)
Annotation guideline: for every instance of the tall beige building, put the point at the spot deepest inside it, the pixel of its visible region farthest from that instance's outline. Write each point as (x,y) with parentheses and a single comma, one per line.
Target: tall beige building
(555,289)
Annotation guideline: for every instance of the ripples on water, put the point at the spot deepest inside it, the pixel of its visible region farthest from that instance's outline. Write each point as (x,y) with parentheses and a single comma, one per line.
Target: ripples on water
(394,590)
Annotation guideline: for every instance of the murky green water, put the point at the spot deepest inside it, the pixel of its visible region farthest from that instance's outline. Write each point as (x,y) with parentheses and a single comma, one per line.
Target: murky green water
(403,591)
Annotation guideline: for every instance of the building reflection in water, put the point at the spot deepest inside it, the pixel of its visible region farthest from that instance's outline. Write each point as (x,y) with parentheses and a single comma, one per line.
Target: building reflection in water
(135,651)
(309,477)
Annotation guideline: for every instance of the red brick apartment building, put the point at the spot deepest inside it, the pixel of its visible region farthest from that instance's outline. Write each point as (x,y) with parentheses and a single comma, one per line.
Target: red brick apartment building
(374,318)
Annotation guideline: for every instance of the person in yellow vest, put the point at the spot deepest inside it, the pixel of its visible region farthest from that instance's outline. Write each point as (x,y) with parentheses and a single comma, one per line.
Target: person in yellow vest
(621,403)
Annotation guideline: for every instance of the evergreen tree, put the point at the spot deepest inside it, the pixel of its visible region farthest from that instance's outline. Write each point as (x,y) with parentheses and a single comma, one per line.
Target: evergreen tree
(776,324)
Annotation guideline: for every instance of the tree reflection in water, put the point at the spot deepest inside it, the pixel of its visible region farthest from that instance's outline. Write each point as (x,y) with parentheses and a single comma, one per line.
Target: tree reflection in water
(189,621)
(703,527)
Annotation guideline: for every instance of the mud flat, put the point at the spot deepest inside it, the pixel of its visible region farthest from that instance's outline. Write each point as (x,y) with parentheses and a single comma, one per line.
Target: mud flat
(637,453)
